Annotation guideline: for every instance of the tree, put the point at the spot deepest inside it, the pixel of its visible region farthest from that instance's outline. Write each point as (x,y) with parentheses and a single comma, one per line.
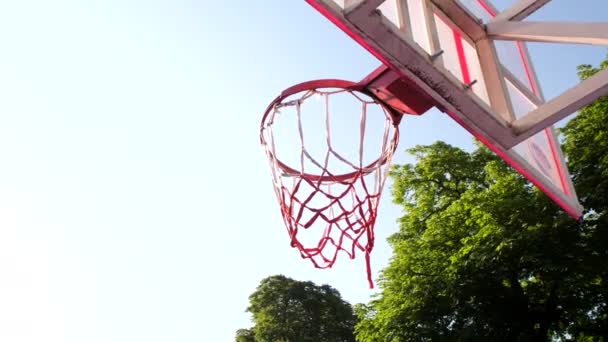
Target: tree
(481,255)
(244,335)
(288,310)
(586,145)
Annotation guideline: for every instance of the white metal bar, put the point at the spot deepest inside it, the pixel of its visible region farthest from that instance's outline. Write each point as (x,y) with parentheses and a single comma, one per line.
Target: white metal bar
(565,104)
(403,13)
(494,79)
(569,203)
(521,87)
(453,26)
(462,17)
(538,93)
(538,90)
(551,32)
(520,10)
(431,28)
(568,197)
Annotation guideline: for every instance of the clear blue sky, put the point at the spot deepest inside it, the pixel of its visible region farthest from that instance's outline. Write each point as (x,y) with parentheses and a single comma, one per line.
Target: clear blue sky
(135,200)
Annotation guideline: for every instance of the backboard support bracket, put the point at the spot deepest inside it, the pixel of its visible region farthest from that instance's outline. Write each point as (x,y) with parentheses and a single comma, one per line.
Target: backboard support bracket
(397,92)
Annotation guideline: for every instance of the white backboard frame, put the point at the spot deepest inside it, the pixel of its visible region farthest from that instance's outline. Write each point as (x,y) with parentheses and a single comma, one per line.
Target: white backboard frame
(492,120)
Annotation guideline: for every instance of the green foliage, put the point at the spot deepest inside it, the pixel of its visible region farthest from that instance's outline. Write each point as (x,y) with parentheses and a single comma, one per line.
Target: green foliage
(471,257)
(586,145)
(284,309)
(244,335)
(481,255)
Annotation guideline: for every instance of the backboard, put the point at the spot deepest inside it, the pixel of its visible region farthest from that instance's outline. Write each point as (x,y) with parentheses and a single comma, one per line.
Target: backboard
(470,61)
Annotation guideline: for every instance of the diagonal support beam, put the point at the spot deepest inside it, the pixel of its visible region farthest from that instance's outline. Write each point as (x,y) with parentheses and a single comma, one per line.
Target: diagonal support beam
(520,10)
(551,32)
(565,104)
(462,17)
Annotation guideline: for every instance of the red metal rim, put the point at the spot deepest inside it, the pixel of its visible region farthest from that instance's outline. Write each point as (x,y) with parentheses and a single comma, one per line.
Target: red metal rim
(310,85)
(338,84)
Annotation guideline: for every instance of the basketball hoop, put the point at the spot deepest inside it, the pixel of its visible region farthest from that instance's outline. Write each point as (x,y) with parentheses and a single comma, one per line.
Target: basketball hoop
(325,191)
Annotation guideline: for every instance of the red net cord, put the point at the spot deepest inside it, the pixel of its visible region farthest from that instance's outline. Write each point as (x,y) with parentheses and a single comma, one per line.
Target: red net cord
(338,208)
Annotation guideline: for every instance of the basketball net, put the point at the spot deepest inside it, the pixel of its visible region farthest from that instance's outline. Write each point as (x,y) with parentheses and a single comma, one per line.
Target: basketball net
(337,207)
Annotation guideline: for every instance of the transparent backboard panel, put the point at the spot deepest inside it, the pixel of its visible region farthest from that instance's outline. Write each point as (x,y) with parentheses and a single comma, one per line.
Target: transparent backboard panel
(395,10)
(538,150)
(512,57)
(482,9)
(447,43)
(460,58)
(390,10)
(539,158)
(454,54)
(474,69)
(510,54)
(419,24)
